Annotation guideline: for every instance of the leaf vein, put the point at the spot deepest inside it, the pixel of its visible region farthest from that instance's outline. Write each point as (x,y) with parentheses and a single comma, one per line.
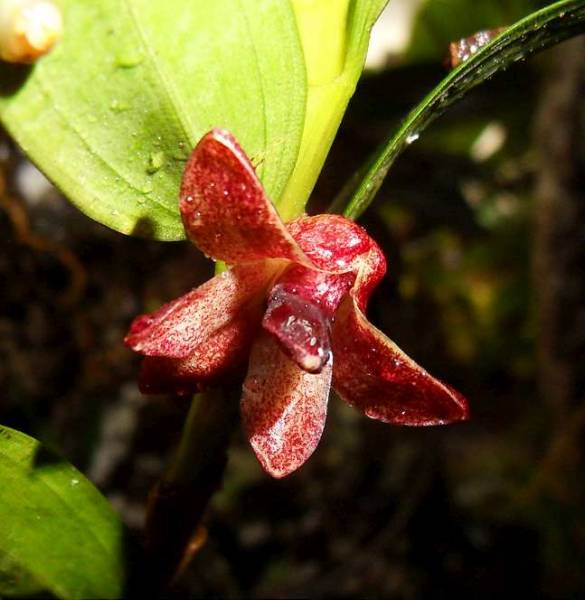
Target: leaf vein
(176,102)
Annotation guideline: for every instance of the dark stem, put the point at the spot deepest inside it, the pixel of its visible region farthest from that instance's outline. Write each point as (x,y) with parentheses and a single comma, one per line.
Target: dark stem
(178,502)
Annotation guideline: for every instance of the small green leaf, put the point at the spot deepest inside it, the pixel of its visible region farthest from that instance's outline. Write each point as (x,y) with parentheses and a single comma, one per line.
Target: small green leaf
(57,532)
(536,32)
(112,113)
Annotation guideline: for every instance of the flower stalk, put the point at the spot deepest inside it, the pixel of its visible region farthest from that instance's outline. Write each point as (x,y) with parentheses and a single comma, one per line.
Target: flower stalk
(178,502)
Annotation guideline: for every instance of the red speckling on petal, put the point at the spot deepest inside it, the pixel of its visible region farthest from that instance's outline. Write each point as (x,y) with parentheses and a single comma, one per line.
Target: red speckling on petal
(372,374)
(224,208)
(220,357)
(179,327)
(283,408)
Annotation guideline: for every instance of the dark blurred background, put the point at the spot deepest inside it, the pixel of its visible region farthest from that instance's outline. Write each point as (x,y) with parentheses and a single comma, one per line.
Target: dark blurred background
(482,221)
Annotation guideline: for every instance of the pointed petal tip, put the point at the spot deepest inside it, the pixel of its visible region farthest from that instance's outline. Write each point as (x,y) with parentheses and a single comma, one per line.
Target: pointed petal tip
(284,463)
(453,409)
(459,407)
(140,324)
(225,137)
(374,375)
(462,413)
(276,470)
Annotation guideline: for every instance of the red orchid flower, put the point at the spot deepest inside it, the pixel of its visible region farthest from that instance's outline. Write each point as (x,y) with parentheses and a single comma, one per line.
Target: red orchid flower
(293,301)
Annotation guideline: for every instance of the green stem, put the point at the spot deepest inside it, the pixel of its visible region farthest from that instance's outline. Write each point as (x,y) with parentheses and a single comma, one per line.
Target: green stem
(178,502)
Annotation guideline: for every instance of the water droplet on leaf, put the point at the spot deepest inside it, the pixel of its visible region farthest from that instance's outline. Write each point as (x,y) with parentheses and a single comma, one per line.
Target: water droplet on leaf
(129,58)
(147,187)
(118,106)
(155,162)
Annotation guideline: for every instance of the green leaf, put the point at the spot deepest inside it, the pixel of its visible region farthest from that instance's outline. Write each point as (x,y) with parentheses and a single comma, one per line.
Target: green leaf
(112,113)
(335,38)
(536,32)
(57,532)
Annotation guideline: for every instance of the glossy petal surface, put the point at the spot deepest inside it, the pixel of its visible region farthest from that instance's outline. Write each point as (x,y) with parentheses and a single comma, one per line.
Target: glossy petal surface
(224,208)
(322,289)
(178,328)
(372,374)
(283,408)
(333,243)
(300,327)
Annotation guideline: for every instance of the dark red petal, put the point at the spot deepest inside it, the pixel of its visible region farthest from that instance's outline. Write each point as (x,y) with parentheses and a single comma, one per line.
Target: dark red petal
(325,290)
(332,242)
(371,373)
(220,356)
(300,327)
(283,408)
(179,327)
(224,208)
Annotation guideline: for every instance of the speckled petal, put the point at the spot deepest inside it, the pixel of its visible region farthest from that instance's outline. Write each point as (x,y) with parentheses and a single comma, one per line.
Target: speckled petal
(372,374)
(221,356)
(178,328)
(224,208)
(283,408)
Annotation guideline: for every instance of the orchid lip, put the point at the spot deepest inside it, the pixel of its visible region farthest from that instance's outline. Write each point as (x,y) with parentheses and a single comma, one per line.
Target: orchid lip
(300,328)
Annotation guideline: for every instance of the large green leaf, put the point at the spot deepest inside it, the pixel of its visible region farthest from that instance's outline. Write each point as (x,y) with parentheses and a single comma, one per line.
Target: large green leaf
(57,532)
(536,32)
(335,38)
(111,114)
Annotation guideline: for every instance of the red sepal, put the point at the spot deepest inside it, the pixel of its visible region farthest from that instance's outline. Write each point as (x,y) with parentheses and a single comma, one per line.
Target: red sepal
(176,329)
(372,374)
(224,208)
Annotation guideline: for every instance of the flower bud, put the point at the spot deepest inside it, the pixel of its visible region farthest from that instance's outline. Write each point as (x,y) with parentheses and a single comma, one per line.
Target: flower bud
(28,29)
